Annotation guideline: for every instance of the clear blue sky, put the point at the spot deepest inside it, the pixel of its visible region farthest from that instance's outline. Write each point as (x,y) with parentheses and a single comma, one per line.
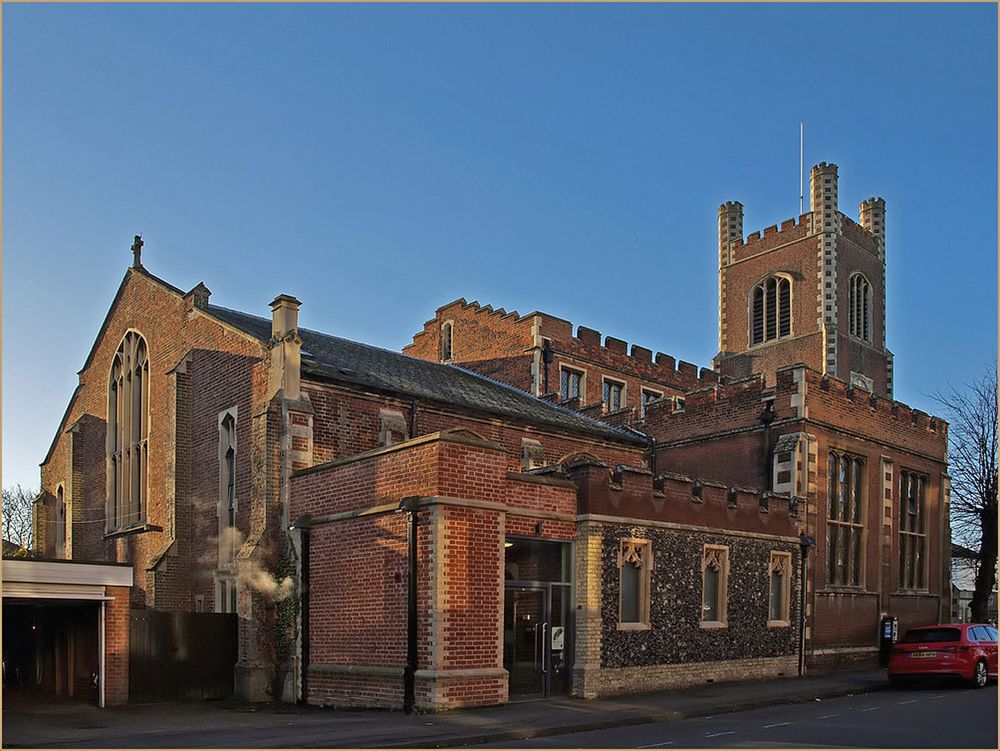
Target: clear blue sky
(378,161)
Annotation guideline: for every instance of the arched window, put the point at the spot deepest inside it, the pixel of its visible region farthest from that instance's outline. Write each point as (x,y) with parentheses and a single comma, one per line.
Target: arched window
(128,430)
(770,309)
(60,523)
(446,331)
(861,306)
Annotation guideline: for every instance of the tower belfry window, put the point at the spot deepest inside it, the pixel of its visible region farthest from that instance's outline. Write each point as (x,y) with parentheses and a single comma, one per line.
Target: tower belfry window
(861,305)
(770,310)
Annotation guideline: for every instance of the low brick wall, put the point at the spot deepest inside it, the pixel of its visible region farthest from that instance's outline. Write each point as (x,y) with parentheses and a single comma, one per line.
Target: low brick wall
(355,686)
(647,678)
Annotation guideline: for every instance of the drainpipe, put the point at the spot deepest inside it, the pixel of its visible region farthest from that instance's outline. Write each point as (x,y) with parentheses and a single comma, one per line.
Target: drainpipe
(413,417)
(410,506)
(302,524)
(766,417)
(805,542)
(546,361)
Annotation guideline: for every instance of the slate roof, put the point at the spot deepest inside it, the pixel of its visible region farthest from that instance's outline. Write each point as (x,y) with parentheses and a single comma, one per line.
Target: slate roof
(384,370)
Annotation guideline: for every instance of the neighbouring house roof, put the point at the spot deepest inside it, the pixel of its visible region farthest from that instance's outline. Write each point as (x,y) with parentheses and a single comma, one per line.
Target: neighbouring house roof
(372,367)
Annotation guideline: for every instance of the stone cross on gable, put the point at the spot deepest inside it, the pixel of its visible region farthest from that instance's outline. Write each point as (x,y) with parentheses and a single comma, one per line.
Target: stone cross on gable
(137,252)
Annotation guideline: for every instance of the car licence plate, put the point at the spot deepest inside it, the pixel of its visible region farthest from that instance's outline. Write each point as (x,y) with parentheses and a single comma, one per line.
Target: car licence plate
(919,655)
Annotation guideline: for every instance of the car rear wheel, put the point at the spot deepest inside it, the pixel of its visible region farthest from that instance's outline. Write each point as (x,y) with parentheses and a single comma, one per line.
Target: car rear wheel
(980,675)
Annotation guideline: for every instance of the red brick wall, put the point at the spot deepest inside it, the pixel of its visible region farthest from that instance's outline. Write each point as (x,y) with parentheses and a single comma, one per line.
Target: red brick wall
(478,333)
(711,459)
(346,423)
(856,251)
(798,260)
(634,495)
(358,570)
(496,343)
(170,329)
(761,241)
(116,649)
(217,381)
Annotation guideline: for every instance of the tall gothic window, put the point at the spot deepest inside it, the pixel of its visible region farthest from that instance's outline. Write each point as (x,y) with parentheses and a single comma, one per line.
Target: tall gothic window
(60,523)
(714,585)
(912,531)
(861,307)
(634,564)
(845,520)
(770,310)
(227,489)
(779,602)
(128,431)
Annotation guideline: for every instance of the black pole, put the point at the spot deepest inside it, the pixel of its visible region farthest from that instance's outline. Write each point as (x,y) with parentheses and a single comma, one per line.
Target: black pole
(304,610)
(805,542)
(410,505)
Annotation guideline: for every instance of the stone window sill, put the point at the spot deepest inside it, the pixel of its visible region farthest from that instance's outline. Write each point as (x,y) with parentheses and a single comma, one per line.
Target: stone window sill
(778,624)
(714,624)
(633,627)
(134,529)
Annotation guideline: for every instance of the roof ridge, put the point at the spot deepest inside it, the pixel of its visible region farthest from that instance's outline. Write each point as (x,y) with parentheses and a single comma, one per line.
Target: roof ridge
(531,407)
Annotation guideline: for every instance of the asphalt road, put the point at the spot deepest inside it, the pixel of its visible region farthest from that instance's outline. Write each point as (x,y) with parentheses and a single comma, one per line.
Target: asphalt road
(934,716)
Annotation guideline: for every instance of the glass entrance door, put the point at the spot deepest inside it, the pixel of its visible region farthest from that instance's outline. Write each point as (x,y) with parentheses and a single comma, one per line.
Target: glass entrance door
(538,617)
(525,627)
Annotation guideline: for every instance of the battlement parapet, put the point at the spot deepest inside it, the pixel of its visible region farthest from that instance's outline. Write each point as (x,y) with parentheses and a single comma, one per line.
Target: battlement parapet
(635,493)
(789,230)
(858,234)
(824,167)
(837,395)
(640,361)
(421,347)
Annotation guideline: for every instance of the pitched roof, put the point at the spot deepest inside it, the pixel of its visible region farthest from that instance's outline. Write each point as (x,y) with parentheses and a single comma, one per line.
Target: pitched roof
(372,367)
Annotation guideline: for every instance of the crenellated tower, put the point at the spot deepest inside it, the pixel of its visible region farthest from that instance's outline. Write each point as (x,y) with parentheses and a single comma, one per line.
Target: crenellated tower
(730,233)
(811,291)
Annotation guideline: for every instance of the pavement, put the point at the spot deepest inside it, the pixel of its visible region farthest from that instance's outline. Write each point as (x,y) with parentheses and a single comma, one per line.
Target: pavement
(236,725)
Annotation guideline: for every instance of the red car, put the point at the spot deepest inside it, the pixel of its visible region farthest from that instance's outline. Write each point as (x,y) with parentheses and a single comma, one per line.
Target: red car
(958,650)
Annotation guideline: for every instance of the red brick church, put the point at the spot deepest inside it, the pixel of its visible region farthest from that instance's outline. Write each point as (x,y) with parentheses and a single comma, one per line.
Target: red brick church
(509,508)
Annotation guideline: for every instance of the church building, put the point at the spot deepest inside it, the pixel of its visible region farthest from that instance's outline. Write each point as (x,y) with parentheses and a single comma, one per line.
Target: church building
(511,509)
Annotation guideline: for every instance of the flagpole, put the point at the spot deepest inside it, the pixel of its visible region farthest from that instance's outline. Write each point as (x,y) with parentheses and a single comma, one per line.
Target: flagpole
(802,130)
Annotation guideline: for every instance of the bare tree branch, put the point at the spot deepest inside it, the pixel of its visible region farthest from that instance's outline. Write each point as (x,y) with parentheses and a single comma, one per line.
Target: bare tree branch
(972,442)
(17,527)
